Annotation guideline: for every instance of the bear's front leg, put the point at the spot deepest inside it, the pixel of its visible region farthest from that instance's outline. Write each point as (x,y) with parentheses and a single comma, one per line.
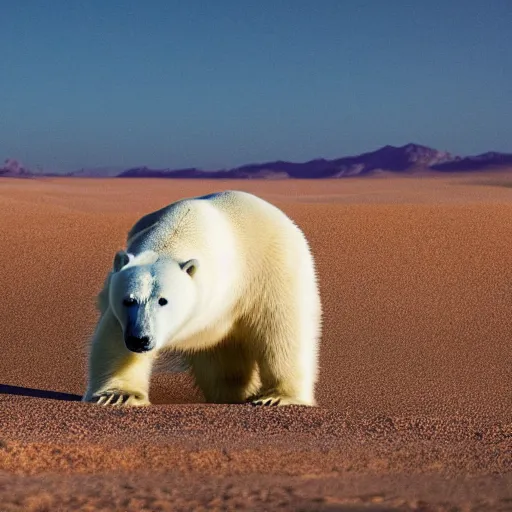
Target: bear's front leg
(117,376)
(287,358)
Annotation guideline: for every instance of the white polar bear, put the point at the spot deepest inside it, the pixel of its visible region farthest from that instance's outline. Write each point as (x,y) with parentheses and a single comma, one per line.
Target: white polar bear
(227,282)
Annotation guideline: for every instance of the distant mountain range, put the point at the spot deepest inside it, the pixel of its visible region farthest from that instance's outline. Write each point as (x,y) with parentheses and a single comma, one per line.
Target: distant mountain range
(408,159)
(11,168)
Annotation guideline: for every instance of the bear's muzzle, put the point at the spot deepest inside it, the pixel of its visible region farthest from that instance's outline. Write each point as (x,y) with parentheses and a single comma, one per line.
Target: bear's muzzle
(139,344)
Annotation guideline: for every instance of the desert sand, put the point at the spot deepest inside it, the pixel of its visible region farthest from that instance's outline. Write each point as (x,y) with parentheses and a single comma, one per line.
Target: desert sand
(415,391)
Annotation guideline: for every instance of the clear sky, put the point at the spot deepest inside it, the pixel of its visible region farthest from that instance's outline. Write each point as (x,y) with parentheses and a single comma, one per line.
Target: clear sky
(218,83)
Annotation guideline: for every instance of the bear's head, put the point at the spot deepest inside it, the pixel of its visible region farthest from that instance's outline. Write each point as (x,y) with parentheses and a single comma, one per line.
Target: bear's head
(152,297)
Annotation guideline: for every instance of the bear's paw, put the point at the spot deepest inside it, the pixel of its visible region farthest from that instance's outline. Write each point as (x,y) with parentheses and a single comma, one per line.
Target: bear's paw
(274,400)
(117,397)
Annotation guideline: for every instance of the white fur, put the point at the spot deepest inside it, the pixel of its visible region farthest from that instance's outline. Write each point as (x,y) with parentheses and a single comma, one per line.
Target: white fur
(247,321)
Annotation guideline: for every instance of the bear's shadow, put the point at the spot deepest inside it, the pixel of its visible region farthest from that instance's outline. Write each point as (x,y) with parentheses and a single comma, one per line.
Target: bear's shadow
(6,389)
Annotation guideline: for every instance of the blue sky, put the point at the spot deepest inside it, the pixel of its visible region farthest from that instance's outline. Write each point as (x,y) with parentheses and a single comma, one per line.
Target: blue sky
(221,83)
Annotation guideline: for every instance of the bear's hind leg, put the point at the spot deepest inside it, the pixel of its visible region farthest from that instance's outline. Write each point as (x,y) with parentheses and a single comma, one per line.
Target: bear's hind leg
(226,373)
(117,376)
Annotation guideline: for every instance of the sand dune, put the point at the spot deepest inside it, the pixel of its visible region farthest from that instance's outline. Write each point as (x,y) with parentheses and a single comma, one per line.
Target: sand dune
(415,390)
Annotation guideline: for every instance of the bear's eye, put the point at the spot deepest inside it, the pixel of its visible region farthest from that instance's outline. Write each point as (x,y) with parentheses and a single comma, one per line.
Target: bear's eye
(129,301)
(162,301)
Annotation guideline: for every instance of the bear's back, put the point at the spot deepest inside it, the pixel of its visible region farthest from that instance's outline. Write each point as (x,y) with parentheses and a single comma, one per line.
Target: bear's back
(168,221)
(228,228)
(191,228)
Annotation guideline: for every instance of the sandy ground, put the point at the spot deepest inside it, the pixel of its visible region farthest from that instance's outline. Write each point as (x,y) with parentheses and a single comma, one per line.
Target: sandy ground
(415,391)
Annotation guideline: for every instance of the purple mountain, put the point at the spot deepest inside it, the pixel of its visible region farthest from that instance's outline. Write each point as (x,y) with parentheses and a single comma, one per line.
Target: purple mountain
(13,169)
(488,160)
(389,158)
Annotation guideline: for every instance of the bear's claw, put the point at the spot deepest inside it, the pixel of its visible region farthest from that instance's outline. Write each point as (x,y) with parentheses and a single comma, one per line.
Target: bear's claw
(118,398)
(274,400)
(112,399)
(266,401)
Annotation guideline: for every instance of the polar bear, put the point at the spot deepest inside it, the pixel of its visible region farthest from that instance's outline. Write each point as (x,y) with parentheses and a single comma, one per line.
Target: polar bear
(227,282)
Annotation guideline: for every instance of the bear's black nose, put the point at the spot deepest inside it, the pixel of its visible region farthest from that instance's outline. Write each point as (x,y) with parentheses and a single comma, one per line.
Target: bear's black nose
(136,344)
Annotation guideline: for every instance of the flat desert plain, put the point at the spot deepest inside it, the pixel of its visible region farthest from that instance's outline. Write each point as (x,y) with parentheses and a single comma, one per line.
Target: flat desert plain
(415,390)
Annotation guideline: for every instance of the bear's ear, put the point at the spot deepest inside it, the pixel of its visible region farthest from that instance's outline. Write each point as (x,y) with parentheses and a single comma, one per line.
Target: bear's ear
(190,267)
(121,259)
